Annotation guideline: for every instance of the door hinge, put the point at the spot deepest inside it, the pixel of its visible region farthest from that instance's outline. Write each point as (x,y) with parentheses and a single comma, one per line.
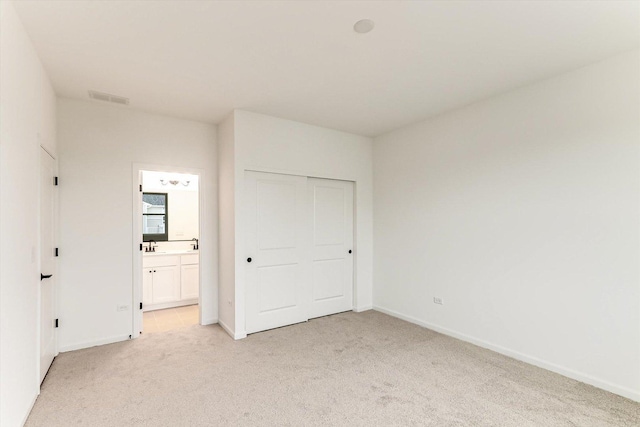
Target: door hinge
(140,306)
(56,323)
(140,246)
(56,252)
(141,188)
(55,180)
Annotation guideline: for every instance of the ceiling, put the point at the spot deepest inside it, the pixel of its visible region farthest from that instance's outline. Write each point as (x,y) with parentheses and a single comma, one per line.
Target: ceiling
(302,60)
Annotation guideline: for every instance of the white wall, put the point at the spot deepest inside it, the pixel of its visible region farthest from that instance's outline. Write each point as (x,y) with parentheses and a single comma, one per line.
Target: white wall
(522,213)
(270,144)
(227,224)
(27,120)
(98,146)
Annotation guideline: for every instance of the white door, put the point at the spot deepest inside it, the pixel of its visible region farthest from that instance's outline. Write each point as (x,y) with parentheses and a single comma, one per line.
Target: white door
(277,241)
(166,284)
(332,246)
(190,281)
(47,263)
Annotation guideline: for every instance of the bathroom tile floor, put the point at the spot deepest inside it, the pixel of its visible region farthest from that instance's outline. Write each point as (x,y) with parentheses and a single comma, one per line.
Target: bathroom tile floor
(169,319)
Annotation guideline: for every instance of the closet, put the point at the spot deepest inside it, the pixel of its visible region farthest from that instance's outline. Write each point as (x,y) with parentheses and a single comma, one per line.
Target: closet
(299,240)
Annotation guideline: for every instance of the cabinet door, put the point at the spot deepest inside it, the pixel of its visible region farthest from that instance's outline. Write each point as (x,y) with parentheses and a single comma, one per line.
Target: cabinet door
(166,284)
(190,279)
(147,287)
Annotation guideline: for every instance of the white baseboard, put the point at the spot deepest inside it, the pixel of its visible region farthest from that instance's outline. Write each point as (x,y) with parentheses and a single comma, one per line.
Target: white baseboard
(363,308)
(570,373)
(87,344)
(211,321)
(227,329)
(172,304)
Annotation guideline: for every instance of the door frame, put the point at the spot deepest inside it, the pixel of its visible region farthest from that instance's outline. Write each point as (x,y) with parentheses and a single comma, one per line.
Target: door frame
(136,294)
(242,250)
(56,231)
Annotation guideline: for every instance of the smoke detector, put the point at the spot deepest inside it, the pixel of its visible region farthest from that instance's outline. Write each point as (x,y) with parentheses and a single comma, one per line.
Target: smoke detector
(363,26)
(101,96)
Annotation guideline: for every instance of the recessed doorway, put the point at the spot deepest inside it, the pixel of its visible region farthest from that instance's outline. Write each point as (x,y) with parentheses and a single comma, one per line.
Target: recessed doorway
(167,212)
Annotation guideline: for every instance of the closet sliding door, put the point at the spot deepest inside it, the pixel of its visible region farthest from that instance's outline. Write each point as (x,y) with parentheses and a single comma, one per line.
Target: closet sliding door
(277,234)
(332,246)
(299,240)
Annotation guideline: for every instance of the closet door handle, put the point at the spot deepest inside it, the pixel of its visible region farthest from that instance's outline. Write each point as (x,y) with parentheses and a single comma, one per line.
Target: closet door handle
(248,259)
(349,250)
(45,276)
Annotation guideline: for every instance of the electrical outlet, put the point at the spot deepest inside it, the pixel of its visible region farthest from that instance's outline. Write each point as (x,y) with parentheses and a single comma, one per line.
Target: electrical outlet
(122,307)
(438,300)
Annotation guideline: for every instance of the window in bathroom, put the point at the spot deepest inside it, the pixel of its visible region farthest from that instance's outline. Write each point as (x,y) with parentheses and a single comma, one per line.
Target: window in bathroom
(155,224)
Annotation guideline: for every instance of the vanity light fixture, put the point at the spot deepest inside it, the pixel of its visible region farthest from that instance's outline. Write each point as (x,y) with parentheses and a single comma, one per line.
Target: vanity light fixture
(174,182)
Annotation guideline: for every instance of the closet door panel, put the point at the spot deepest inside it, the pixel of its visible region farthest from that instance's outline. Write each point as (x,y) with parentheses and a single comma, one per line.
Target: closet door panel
(332,240)
(277,241)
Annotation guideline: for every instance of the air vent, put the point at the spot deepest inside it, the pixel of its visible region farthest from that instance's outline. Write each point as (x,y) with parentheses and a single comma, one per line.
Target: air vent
(101,96)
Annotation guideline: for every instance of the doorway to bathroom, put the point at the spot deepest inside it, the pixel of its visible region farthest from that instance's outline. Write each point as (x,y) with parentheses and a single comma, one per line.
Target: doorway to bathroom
(167,266)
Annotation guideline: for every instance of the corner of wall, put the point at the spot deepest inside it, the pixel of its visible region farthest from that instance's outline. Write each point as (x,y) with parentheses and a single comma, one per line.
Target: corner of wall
(226,225)
(491,201)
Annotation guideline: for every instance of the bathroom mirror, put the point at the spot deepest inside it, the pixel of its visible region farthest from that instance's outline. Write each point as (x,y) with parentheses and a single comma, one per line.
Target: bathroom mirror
(170,207)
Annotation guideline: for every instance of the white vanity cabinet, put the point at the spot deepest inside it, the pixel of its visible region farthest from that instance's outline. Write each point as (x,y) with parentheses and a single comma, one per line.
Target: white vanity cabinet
(169,281)
(189,277)
(164,284)
(147,287)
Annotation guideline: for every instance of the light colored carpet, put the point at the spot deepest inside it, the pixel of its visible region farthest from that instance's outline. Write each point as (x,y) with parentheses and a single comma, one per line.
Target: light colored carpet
(348,369)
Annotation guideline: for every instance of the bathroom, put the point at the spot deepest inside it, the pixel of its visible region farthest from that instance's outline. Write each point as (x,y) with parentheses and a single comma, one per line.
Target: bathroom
(170,251)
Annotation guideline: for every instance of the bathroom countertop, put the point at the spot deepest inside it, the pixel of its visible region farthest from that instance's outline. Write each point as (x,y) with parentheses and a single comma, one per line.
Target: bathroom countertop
(170,252)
